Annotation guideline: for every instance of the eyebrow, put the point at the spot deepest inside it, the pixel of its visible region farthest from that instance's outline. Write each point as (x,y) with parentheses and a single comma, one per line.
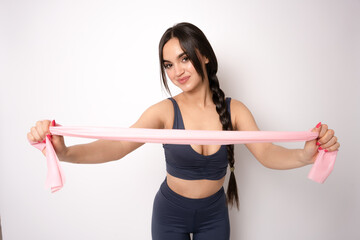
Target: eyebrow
(179,56)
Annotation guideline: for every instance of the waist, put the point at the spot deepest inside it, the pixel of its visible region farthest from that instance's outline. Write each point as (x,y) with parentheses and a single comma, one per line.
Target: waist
(194,189)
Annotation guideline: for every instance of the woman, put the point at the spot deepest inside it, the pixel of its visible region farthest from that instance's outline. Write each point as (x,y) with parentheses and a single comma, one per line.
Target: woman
(192,198)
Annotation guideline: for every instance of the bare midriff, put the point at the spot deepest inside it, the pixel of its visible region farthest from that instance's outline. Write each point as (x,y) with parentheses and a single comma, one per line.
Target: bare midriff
(194,188)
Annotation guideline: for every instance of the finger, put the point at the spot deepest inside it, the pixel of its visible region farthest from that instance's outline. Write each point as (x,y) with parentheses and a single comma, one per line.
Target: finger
(331,142)
(36,135)
(326,138)
(47,125)
(30,137)
(40,130)
(333,147)
(323,130)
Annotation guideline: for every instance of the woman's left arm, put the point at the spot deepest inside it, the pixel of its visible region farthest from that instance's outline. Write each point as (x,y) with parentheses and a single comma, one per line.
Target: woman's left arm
(277,157)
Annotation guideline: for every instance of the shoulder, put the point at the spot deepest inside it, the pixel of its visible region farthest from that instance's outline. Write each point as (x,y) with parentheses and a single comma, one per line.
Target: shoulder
(161,106)
(241,117)
(160,109)
(237,105)
(158,115)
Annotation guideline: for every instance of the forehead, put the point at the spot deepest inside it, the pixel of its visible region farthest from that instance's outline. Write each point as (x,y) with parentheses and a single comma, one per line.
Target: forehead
(172,49)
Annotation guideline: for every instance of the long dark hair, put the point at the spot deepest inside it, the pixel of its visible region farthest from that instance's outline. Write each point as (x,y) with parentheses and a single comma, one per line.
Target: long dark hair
(191,38)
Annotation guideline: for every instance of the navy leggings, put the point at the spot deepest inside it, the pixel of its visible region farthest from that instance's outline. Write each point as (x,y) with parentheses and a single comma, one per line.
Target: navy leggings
(175,217)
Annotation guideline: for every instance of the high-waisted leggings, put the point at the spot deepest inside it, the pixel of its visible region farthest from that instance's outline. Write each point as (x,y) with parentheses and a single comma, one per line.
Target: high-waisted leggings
(175,217)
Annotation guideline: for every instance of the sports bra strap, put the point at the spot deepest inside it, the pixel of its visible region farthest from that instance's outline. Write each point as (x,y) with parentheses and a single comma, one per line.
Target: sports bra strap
(228,100)
(178,121)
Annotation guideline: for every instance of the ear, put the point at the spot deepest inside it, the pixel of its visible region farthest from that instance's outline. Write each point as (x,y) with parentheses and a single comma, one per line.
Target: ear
(206,60)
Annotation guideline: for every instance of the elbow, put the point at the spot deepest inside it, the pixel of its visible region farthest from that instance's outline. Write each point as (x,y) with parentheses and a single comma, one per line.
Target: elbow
(266,163)
(265,156)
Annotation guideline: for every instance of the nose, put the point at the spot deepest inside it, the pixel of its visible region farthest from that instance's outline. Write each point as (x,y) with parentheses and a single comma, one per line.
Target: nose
(179,70)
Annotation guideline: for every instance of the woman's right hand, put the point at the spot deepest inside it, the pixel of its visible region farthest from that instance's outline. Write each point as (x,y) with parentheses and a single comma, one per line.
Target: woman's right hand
(40,130)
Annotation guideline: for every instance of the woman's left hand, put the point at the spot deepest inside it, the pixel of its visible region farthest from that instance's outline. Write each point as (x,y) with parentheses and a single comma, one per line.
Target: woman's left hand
(326,140)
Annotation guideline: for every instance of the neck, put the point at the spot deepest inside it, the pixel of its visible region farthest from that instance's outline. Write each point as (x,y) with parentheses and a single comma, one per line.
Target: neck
(201,96)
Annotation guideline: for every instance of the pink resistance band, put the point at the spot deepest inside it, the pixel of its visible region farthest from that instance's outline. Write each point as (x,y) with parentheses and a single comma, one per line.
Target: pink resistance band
(321,169)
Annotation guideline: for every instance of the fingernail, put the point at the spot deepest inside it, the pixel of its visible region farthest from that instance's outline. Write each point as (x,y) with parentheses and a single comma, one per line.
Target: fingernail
(318,125)
(53,122)
(320,148)
(326,150)
(317,143)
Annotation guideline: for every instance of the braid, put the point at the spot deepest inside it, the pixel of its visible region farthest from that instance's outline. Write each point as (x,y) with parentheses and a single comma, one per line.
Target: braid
(218,98)
(193,41)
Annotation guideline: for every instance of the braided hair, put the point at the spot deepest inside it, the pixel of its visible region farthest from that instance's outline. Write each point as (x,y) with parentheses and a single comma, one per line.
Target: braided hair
(192,39)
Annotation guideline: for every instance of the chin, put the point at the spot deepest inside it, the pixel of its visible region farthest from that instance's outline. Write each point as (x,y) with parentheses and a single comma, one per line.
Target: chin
(187,88)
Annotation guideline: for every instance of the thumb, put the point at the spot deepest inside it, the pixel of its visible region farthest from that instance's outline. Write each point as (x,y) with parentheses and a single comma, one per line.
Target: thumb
(53,123)
(317,129)
(310,148)
(48,135)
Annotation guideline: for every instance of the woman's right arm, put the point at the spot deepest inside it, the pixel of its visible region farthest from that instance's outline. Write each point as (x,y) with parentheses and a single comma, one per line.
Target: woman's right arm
(102,151)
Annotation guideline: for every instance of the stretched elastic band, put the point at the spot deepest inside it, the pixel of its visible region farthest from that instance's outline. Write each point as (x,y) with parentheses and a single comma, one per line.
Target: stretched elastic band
(321,169)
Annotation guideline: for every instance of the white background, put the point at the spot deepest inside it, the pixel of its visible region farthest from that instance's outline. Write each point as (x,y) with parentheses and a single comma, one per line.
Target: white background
(95,63)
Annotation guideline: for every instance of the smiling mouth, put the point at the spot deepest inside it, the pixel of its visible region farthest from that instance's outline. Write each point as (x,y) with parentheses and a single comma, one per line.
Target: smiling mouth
(183,80)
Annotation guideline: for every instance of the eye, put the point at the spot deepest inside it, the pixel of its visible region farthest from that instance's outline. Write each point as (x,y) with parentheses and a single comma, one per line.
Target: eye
(167,65)
(185,59)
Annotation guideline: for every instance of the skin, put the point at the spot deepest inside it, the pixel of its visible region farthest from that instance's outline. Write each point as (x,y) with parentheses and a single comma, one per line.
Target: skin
(199,113)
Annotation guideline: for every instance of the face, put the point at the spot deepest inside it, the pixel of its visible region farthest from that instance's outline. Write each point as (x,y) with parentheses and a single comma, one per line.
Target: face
(179,68)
